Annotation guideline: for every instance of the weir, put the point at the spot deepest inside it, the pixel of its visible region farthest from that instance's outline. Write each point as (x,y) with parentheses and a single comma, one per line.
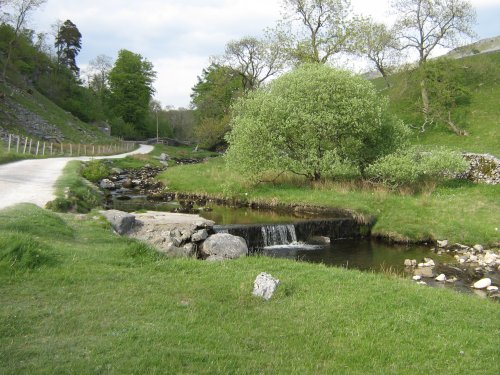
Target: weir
(259,236)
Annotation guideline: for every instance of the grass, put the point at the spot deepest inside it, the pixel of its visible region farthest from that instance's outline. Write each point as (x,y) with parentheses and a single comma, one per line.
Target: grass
(111,306)
(73,192)
(458,211)
(481,119)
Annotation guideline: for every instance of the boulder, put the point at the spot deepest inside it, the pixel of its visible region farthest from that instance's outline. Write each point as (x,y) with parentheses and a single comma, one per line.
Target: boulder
(264,286)
(478,248)
(442,243)
(200,235)
(225,245)
(106,183)
(121,221)
(483,283)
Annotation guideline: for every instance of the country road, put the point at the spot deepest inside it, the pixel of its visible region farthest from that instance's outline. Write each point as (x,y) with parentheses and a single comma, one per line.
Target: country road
(33,180)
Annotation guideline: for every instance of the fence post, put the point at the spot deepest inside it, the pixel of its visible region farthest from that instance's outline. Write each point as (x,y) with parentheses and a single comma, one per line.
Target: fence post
(78,153)
(29,150)
(17,147)
(62,148)
(43,149)
(10,139)
(93,149)
(37,147)
(70,149)
(25,145)
(51,149)
(85,150)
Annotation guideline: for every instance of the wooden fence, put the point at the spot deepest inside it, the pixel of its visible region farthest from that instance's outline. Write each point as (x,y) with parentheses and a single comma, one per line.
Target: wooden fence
(24,145)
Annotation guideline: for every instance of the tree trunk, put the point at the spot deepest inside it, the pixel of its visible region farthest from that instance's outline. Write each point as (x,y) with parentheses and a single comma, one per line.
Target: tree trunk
(425,98)
(454,128)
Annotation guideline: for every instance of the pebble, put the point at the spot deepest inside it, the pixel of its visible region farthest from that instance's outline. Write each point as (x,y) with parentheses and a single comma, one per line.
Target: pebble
(492,288)
(421,283)
(417,277)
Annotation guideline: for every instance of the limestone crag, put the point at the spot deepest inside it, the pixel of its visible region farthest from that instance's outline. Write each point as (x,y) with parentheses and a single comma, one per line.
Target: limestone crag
(483,168)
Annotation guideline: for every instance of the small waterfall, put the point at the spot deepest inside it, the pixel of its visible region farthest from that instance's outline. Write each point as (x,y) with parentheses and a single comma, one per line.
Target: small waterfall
(273,235)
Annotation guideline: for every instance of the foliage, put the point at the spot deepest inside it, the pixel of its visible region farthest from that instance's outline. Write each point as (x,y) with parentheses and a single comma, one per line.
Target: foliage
(254,60)
(212,97)
(68,44)
(415,166)
(309,120)
(95,170)
(379,44)
(318,30)
(131,84)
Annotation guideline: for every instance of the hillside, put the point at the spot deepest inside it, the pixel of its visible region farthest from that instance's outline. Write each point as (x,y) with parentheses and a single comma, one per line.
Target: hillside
(24,111)
(480,117)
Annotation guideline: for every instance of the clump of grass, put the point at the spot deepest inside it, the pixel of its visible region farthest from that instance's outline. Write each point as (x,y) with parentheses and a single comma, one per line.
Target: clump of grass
(21,251)
(74,193)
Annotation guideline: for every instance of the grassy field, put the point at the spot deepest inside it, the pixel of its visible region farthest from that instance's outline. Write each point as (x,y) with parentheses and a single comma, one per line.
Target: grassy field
(95,303)
(458,211)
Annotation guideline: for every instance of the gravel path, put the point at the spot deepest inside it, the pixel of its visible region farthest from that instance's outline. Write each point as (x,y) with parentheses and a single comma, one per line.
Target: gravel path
(33,180)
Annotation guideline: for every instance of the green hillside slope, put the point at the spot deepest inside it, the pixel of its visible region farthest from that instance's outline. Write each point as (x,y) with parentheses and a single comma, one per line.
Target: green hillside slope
(481,118)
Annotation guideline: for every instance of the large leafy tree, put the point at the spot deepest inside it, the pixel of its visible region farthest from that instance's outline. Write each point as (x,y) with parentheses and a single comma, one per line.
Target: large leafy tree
(68,44)
(379,45)
(255,60)
(212,97)
(131,85)
(423,25)
(308,121)
(316,30)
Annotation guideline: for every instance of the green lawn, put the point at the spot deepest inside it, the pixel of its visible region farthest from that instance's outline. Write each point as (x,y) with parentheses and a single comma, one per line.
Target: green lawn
(104,304)
(457,211)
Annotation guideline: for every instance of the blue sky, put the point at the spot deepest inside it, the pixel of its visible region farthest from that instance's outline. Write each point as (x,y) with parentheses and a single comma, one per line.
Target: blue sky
(179,36)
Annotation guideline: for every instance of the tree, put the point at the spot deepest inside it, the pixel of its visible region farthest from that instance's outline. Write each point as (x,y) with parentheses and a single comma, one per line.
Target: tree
(212,98)
(20,10)
(379,44)
(423,25)
(319,29)
(98,72)
(131,85)
(68,44)
(256,60)
(308,121)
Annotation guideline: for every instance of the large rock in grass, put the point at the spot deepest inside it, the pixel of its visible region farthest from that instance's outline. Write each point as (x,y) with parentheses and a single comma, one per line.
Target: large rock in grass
(121,221)
(224,245)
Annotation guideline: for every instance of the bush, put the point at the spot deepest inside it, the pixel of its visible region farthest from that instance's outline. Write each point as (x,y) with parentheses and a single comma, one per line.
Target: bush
(415,166)
(95,170)
(308,121)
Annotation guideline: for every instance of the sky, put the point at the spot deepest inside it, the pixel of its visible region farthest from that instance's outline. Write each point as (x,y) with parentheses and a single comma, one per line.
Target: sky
(179,36)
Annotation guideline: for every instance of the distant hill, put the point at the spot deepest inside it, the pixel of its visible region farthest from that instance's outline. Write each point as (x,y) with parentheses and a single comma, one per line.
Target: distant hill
(487,45)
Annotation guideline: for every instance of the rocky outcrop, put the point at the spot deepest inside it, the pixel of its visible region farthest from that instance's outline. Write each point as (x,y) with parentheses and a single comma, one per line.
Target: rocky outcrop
(483,168)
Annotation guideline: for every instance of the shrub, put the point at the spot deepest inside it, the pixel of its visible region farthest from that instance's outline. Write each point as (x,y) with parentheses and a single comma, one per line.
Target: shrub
(414,166)
(95,170)
(308,121)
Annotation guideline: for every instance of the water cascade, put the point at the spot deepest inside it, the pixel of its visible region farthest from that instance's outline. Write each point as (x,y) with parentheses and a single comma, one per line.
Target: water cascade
(273,235)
